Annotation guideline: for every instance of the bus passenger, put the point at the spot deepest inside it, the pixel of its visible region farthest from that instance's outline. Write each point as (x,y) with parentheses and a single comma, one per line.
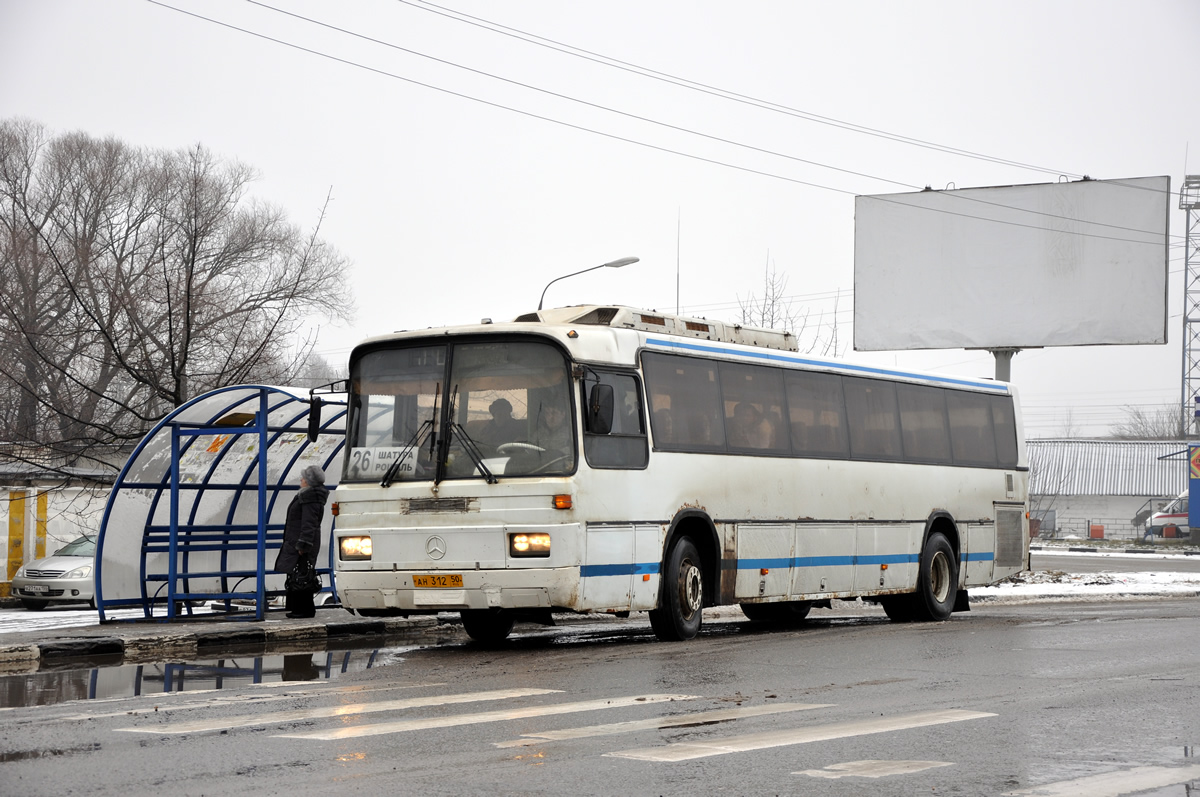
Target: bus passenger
(663,432)
(553,432)
(748,428)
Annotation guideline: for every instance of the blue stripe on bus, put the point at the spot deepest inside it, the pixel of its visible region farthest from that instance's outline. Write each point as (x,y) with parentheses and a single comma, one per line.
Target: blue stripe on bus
(838,366)
(652,568)
(828,561)
(635,569)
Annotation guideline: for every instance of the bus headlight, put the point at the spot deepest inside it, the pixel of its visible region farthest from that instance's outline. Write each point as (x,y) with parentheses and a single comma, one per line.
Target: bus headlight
(529,544)
(350,548)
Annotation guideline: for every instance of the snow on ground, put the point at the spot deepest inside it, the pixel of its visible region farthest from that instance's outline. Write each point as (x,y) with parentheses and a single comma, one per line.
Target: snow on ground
(1027,587)
(66,617)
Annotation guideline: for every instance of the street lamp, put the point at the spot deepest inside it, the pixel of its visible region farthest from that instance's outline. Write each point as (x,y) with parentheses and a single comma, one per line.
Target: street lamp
(625,261)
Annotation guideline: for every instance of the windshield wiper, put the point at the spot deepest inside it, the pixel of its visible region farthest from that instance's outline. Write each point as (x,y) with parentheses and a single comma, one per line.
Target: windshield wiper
(429,425)
(468,444)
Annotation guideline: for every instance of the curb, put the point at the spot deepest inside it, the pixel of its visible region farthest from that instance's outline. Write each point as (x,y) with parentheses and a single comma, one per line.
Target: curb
(141,644)
(1113,550)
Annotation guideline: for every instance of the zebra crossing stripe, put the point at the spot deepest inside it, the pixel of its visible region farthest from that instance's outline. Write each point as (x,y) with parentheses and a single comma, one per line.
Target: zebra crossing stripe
(1114,784)
(487,716)
(352,709)
(655,723)
(160,703)
(686,751)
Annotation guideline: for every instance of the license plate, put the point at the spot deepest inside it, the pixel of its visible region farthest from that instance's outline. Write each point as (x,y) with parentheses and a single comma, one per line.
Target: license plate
(36,588)
(436,580)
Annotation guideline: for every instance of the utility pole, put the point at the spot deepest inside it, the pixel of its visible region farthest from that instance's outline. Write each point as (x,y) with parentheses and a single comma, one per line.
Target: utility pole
(1189,202)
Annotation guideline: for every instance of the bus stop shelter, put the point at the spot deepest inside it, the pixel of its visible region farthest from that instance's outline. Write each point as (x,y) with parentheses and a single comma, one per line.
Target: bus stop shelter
(197,513)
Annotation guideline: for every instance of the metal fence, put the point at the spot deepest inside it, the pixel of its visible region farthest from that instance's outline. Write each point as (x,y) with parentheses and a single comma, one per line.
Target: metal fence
(1094,528)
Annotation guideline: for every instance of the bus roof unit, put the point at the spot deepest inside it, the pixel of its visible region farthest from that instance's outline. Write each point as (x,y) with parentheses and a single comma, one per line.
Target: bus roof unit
(619,317)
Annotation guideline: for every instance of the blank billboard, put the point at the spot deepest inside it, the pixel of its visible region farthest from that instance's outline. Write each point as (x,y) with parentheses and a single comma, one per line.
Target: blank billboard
(1055,264)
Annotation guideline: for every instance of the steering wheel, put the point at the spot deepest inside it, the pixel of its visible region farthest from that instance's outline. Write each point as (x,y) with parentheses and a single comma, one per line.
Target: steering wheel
(546,465)
(505,448)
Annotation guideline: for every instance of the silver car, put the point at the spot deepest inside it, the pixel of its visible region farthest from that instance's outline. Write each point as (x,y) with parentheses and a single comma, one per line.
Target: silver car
(64,577)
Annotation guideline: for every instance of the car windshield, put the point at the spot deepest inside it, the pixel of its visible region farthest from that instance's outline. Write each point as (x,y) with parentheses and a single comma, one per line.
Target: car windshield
(460,411)
(83,546)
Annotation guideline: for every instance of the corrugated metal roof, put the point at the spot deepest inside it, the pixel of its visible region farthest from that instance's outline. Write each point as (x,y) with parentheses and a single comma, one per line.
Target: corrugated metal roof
(1108,467)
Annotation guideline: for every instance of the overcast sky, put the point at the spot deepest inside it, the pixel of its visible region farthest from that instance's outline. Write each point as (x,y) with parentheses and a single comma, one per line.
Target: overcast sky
(459,194)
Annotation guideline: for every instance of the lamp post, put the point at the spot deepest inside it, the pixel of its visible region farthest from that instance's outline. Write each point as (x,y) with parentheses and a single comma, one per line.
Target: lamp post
(625,261)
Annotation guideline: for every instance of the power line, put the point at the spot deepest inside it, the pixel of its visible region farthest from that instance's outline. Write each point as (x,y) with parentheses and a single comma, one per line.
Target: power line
(569,98)
(633,116)
(692,84)
(492,104)
(713,90)
(605,60)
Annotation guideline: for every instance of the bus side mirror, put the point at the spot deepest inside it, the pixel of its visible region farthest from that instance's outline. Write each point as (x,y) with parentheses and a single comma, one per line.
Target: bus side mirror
(599,417)
(314,420)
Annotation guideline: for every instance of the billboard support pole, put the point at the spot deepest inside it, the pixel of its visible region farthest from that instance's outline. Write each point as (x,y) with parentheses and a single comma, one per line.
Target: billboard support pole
(1003,363)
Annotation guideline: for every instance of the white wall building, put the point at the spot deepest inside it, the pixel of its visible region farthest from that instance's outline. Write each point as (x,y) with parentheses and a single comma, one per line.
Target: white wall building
(1077,484)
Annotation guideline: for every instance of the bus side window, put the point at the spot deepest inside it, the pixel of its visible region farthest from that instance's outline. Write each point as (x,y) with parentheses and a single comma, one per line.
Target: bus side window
(816,414)
(872,411)
(753,397)
(691,389)
(972,435)
(624,445)
(1006,430)
(923,423)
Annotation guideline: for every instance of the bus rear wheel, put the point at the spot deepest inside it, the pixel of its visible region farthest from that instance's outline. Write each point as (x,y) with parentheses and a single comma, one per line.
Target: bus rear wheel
(489,626)
(681,603)
(937,582)
(784,613)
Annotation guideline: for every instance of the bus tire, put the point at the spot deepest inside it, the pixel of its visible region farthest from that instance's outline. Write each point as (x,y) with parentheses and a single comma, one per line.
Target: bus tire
(681,604)
(486,625)
(937,580)
(783,613)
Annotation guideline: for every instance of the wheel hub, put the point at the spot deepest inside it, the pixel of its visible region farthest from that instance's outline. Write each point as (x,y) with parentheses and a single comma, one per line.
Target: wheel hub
(692,588)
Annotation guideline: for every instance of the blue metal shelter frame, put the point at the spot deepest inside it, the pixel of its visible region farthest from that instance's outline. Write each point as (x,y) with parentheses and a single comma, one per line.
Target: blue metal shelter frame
(259,445)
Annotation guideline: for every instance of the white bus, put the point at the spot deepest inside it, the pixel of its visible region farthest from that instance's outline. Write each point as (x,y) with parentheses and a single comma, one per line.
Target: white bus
(608,459)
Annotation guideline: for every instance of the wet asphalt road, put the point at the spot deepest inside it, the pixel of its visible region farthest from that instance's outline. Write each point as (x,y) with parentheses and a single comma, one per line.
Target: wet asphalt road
(1001,700)
(1114,563)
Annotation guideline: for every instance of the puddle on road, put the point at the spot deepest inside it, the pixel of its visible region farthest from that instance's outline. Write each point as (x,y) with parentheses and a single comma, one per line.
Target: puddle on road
(25,755)
(48,687)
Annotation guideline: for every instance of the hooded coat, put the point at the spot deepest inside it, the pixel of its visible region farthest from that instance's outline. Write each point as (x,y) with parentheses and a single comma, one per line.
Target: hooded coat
(302,528)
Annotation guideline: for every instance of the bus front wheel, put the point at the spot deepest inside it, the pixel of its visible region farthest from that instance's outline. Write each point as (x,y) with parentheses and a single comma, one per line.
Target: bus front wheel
(678,616)
(937,583)
(487,625)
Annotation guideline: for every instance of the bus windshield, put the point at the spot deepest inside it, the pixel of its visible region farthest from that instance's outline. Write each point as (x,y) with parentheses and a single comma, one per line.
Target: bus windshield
(460,410)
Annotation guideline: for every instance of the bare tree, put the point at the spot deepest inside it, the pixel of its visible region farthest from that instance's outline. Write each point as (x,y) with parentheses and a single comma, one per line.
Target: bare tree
(316,371)
(1069,428)
(1159,423)
(775,310)
(133,280)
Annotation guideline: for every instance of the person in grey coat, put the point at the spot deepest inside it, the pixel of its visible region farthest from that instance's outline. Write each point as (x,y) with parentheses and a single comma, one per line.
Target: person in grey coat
(302,535)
